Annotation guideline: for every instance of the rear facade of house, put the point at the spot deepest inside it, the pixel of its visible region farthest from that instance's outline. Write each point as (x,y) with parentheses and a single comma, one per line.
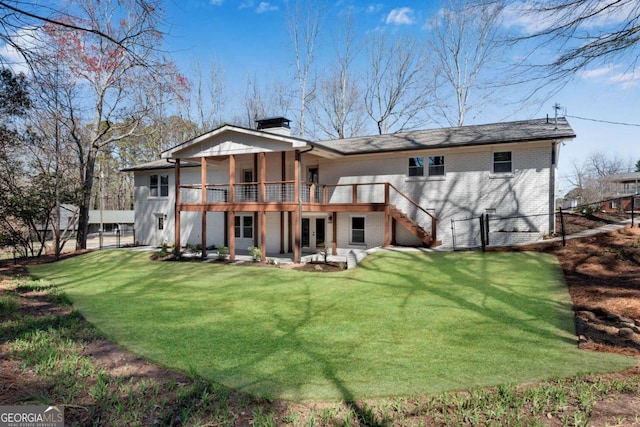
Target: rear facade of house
(240,187)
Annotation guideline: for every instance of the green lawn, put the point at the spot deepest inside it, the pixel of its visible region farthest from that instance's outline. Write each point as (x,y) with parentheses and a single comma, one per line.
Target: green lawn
(402,323)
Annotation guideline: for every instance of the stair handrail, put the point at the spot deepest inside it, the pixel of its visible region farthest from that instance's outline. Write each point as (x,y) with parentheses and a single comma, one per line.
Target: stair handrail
(434,220)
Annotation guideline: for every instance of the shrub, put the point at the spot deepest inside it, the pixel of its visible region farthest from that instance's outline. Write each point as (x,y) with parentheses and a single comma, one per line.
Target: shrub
(255,252)
(223,252)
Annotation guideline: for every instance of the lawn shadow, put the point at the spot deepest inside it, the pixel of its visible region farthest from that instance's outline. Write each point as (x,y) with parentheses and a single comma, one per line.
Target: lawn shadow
(475,273)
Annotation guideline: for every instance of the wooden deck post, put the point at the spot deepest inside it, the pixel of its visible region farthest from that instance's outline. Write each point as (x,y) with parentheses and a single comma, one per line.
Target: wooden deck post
(203,200)
(177,209)
(334,249)
(387,222)
(263,236)
(393,231)
(281,232)
(289,231)
(296,243)
(296,178)
(296,212)
(232,179)
(283,178)
(263,177)
(232,236)
(387,217)
(231,214)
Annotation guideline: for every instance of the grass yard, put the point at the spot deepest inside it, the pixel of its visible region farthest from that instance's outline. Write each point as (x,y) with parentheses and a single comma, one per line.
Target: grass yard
(400,324)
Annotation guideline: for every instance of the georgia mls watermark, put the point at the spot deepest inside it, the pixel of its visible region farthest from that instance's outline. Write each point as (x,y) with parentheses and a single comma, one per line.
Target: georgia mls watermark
(31,416)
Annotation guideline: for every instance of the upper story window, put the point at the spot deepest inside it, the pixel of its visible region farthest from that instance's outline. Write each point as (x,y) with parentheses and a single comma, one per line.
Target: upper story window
(630,187)
(416,166)
(436,166)
(502,162)
(159,185)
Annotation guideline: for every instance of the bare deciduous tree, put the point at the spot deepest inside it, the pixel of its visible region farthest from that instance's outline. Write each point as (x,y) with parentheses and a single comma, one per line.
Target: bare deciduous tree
(591,180)
(208,96)
(465,43)
(338,110)
(217,93)
(52,149)
(263,101)
(585,32)
(110,80)
(398,85)
(304,18)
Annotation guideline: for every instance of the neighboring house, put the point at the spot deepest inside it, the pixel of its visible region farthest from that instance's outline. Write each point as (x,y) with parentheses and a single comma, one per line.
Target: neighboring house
(112,220)
(241,187)
(627,185)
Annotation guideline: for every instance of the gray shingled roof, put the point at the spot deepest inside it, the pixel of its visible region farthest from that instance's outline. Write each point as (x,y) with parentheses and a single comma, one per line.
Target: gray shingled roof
(157,165)
(631,176)
(495,133)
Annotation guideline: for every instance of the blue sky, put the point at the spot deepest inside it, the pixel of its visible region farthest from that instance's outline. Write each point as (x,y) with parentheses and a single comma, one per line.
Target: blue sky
(250,38)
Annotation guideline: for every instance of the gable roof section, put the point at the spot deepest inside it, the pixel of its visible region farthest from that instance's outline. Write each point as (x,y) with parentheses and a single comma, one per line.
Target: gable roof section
(464,136)
(244,140)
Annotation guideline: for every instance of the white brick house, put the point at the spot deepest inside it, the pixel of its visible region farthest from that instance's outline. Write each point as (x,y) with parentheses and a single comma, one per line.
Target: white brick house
(242,187)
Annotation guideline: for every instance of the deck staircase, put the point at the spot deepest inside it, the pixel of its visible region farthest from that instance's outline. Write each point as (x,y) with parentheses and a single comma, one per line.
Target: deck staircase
(411,225)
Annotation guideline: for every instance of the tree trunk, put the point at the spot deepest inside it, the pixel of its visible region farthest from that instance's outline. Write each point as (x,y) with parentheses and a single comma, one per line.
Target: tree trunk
(85,202)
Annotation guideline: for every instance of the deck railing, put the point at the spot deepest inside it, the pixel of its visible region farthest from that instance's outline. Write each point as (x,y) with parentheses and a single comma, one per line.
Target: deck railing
(420,215)
(284,192)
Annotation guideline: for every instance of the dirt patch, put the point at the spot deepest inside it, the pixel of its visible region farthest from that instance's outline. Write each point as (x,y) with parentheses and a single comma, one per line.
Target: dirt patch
(575,222)
(603,275)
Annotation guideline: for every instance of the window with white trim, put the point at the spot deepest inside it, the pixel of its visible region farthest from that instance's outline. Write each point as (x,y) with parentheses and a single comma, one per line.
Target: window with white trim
(159,185)
(436,165)
(357,230)
(502,162)
(416,166)
(243,226)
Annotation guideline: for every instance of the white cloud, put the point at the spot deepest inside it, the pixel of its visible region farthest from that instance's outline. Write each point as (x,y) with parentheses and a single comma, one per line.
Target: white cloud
(627,79)
(216,2)
(519,14)
(523,14)
(26,38)
(245,4)
(266,7)
(611,75)
(400,16)
(596,73)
